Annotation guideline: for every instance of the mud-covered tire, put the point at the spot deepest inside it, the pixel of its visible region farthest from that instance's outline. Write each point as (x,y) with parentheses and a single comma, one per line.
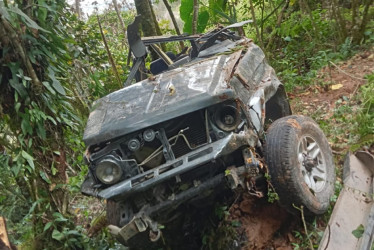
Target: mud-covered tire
(300,164)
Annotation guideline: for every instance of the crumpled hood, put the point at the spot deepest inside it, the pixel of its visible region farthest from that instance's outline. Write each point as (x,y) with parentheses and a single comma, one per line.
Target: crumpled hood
(171,94)
(194,86)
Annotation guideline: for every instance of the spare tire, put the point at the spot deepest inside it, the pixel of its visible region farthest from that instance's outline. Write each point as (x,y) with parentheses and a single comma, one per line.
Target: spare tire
(300,164)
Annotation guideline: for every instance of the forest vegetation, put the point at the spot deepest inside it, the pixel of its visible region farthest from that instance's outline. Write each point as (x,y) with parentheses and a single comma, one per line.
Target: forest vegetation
(55,61)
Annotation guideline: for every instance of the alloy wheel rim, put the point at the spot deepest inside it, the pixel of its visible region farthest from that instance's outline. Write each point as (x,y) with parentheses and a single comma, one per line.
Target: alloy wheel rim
(312,163)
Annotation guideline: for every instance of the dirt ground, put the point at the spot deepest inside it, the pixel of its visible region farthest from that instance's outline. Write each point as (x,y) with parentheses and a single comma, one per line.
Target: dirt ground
(268,226)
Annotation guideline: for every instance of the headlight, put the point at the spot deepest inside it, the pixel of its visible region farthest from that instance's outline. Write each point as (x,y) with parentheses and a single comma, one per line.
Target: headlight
(108,170)
(227,117)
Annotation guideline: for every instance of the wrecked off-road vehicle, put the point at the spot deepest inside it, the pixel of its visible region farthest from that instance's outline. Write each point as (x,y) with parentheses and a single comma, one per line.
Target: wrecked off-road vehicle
(211,119)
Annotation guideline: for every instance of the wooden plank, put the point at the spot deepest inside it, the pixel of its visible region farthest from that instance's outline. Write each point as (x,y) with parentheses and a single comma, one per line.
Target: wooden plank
(3,234)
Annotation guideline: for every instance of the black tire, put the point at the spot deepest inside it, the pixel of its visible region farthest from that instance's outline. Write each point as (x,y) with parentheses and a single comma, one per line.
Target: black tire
(300,164)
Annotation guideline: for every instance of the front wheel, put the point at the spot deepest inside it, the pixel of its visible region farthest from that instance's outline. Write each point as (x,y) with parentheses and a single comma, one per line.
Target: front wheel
(300,163)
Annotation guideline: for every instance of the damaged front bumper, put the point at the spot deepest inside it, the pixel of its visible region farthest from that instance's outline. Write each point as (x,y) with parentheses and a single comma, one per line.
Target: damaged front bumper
(183,164)
(142,222)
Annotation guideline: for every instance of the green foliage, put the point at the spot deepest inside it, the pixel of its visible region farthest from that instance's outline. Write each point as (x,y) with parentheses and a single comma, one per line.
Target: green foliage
(40,126)
(186,14)
(365,117)
(272,194)
(303,241)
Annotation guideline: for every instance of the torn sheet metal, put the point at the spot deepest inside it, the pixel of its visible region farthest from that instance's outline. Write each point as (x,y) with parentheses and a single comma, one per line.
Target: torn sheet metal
(355,206)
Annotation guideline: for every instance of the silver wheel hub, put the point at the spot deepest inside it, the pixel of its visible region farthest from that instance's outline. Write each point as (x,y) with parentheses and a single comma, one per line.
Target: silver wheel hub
(312,163)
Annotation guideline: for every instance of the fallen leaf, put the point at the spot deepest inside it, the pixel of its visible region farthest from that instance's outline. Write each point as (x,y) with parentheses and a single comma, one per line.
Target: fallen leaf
(359,231)
(305,93)
(336,86)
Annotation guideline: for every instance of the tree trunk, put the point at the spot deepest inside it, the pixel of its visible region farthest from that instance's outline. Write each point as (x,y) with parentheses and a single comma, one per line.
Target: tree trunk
(195,16)
(158,30)
(148,21)
(365,18)
(341,25)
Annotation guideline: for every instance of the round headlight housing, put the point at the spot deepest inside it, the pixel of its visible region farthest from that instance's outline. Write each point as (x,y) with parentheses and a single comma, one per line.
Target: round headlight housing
(227,117)
(109,171)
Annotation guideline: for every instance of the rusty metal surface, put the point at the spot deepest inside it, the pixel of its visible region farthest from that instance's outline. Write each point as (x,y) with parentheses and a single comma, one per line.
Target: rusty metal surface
(354,206)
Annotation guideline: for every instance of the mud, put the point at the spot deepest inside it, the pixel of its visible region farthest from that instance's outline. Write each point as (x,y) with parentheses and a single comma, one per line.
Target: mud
(263,225)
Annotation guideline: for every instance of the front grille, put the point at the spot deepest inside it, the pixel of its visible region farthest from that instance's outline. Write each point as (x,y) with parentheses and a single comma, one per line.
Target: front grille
(195,134)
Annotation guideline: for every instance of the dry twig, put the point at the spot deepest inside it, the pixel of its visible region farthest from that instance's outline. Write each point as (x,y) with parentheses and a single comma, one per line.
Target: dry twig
(342,71)
(301,209)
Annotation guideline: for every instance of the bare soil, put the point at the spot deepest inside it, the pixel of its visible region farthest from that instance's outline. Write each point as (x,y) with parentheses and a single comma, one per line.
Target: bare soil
(332,83)
(265,225)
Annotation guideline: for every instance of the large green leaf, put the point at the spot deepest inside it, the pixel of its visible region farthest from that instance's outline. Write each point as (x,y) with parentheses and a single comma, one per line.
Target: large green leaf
(44,176)
(18,87)
(57,235)
(28,21)
(186,9)
(202,21)
(186,12)
(56,83)
(47,226)
(25,125)
(29,159)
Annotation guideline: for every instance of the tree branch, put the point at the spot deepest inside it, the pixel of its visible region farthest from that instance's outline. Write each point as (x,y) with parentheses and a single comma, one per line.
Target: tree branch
(120,20)
(108,51)
(195,16)
(171,14)
(255,23)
